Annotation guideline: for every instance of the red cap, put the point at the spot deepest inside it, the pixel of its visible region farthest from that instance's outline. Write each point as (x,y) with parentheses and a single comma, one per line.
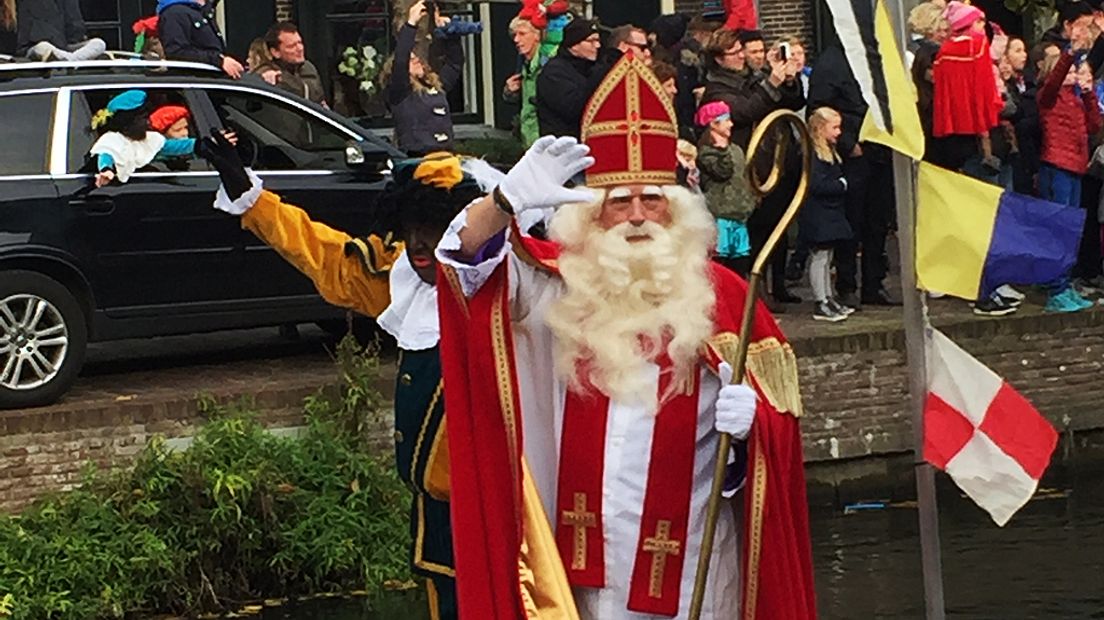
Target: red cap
(631,129)
(167,116)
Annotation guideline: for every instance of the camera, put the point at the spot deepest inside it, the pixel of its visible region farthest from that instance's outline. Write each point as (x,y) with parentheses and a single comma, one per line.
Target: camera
(784,51)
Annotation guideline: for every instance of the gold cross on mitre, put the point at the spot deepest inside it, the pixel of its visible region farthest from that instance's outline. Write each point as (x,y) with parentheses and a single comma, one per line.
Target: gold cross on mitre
(660,546)
(579,519)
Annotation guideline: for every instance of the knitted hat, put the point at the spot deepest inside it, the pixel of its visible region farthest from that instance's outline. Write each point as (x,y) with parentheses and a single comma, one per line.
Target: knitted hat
(128,100)
(167,116)
(1072,11)
(713,111)
(577,31)
(669,29)
(961,16)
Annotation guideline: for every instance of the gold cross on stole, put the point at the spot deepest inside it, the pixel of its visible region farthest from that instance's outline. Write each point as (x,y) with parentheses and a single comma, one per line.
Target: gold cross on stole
(580,520)
(660,546)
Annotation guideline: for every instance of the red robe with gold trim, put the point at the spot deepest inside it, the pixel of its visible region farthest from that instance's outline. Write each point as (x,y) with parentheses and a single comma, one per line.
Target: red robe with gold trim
(965,100)
(508,565)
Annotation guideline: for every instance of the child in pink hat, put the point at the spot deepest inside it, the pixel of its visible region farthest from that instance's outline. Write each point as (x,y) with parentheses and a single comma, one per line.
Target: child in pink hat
(727,193)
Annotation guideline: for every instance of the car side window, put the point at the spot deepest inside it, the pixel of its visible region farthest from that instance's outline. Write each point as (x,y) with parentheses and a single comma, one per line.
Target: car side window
(273,135)
(86,104)
(25,133)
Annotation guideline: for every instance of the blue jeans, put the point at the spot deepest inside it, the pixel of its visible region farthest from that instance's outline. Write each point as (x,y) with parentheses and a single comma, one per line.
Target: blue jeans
(1063,187)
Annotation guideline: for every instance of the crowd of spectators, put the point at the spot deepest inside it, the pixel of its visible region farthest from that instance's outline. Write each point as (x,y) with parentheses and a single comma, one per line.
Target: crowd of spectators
(1023,116)
(1032,127)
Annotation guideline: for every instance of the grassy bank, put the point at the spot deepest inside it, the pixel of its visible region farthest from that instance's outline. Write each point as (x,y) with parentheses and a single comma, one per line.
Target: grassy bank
(241,515)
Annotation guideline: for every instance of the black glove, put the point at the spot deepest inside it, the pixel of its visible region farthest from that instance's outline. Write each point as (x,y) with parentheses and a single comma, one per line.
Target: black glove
(223,155)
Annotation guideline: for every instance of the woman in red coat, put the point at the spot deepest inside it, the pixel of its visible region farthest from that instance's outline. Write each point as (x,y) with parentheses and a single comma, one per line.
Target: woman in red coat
(1069,114)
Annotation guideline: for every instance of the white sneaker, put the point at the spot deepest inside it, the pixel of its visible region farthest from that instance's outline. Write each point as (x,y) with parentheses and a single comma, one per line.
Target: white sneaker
(1010,293)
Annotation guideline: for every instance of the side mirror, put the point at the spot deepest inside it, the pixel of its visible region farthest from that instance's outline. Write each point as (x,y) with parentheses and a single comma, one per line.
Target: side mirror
(354,155)
(372,162)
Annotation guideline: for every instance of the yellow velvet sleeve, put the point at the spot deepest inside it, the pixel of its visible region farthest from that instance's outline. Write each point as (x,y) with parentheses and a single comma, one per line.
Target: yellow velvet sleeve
(350,279)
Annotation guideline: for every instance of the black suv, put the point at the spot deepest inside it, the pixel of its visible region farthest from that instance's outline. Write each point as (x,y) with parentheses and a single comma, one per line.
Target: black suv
(151,257)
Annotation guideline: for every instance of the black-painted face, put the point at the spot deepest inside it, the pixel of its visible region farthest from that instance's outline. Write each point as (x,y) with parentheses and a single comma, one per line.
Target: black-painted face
(421,242)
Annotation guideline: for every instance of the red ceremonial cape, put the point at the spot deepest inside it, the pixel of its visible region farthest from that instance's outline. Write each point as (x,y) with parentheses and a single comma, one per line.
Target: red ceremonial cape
(965,98)
(485,451)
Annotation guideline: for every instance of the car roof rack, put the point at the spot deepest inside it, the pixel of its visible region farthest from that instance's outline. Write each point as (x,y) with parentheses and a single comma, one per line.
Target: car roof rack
(12,68)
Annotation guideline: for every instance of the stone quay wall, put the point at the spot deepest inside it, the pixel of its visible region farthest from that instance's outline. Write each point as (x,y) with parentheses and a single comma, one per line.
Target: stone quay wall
(854,387)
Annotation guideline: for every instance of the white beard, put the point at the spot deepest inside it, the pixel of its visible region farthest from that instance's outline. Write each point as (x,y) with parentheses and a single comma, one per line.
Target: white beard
(624,301)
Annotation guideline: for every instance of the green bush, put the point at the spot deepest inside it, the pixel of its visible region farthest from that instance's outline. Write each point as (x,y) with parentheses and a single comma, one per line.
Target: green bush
(241,515)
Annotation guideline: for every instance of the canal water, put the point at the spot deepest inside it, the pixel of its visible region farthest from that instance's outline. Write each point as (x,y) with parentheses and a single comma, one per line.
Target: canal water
(1047,563)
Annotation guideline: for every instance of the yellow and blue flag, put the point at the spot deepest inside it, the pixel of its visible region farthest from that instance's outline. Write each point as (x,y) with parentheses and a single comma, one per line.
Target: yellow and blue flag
(972,237)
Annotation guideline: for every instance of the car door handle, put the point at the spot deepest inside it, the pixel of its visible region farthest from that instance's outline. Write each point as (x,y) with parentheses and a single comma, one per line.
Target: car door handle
(95,206)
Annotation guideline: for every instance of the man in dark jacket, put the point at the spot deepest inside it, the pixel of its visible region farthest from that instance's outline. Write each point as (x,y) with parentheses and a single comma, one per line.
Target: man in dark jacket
(868,169)
(750,95)
(569,79)
(289,68)
(54,30)
(189,31)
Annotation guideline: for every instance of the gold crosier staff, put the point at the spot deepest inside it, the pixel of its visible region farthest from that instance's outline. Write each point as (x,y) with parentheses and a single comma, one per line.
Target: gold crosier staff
(780,121)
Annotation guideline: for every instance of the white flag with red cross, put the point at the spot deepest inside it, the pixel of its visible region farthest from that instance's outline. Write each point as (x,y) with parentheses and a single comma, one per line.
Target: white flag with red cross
(991,441)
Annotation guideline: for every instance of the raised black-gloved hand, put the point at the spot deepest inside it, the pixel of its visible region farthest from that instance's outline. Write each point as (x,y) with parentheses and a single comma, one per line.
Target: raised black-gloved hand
(223,155)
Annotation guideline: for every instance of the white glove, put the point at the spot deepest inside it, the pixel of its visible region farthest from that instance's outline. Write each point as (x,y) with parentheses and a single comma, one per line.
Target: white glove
(735,406)
(537,181)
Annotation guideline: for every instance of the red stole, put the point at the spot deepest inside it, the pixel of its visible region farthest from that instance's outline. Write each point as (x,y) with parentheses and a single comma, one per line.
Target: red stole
(661,549)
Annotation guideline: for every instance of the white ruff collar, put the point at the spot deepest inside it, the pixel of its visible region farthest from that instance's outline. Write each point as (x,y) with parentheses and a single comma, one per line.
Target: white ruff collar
(412,316)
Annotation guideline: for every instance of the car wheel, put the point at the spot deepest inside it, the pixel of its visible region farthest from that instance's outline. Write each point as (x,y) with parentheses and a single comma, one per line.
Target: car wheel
(43,336)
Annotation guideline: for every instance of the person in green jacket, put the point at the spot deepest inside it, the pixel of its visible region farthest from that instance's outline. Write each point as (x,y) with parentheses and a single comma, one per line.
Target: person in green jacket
(727,193)
(522,87)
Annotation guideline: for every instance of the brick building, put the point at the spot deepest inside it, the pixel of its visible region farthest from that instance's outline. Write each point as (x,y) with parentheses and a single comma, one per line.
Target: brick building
(331,26)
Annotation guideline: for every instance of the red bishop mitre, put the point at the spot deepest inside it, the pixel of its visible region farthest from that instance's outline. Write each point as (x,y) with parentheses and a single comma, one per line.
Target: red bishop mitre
(631,129)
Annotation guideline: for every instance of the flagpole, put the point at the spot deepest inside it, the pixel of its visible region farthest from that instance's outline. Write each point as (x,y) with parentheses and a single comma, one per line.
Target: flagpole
(915,324)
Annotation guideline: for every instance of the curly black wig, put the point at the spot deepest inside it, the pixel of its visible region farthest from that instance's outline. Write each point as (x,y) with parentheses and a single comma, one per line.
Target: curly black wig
(413,205)
(133,124)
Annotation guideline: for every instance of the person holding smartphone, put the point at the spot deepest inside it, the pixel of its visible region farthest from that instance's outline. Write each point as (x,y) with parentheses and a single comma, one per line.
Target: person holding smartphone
(416,94)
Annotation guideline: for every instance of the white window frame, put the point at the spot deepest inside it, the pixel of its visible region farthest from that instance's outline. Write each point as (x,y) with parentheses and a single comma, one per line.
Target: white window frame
(59,152)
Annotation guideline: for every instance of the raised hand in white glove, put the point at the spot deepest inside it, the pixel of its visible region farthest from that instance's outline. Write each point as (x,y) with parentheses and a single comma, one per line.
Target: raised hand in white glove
(537,181)
(735,406)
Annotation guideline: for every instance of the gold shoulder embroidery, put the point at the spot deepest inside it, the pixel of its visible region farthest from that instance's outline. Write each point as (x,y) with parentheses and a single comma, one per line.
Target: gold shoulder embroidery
(774,366)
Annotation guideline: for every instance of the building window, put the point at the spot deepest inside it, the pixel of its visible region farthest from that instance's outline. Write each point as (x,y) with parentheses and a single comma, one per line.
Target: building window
(110,20)
(336,27)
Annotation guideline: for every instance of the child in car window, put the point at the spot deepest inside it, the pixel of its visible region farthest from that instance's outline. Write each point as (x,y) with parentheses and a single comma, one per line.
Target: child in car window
(171,121)
(129,142)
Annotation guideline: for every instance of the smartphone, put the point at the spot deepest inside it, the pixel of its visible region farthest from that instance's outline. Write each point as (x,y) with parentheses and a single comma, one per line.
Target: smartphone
(431,10)
(784,51)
